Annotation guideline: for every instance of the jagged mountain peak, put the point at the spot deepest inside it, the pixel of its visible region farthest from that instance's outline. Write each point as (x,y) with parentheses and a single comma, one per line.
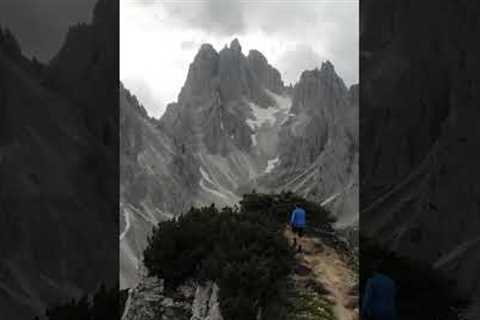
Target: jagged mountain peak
(235,45)
(229,76)
(206,51)
(234,49)
(327,66)
(254,54)
(319,89)
(201,75)
(264,72)
(325,73)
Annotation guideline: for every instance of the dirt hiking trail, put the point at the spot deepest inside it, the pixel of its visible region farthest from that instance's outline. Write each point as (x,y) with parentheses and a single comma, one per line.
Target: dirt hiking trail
(321,264)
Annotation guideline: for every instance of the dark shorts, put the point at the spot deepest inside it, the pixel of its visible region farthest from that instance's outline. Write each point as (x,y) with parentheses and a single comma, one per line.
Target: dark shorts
(298,231)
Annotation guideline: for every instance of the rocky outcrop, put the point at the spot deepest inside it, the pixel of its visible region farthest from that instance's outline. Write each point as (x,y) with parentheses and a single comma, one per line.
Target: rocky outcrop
(149,300)
(206,304)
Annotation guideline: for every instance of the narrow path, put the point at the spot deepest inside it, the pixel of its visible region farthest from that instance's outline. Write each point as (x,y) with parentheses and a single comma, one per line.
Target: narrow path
(331,271)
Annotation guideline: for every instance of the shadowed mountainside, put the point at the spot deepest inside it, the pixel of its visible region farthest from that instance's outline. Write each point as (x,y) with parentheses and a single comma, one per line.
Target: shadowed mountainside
(419,153)
(58,155)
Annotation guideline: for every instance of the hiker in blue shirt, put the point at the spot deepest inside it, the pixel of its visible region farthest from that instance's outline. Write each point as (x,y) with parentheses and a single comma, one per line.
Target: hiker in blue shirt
(297,222)
(379,299)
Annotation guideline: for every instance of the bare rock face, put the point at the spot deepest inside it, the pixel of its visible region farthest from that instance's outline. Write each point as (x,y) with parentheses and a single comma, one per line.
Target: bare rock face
(192,301)
(264,72)
(213,104)
(206,305)
(201,75)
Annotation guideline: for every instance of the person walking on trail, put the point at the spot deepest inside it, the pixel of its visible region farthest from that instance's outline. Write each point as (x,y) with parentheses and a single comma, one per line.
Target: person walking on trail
(297,222)
(379,298)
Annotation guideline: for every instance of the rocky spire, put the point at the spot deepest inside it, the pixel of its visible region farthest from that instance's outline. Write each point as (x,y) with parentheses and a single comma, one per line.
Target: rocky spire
(201,74)
(230,75)
(235,45)
(320,88)
(267,75)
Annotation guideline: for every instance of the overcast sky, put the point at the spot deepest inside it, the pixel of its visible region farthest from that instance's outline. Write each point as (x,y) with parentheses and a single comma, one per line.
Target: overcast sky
(159,39)
(40,26)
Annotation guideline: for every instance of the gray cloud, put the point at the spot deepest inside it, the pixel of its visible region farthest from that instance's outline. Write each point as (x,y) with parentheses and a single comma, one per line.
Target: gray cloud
(283,17)
(293,62)
(229,17)
(333,26)
(222,17)
(188,45)
(40,26)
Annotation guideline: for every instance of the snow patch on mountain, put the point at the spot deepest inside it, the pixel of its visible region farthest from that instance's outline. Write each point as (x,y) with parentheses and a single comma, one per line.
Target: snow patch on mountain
(283,102)
(330,199)
(271,164)
(261,116)
(213,191)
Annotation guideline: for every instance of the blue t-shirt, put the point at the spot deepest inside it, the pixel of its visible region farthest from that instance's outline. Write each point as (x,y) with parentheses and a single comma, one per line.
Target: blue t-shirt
(379,299)
(297,218)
